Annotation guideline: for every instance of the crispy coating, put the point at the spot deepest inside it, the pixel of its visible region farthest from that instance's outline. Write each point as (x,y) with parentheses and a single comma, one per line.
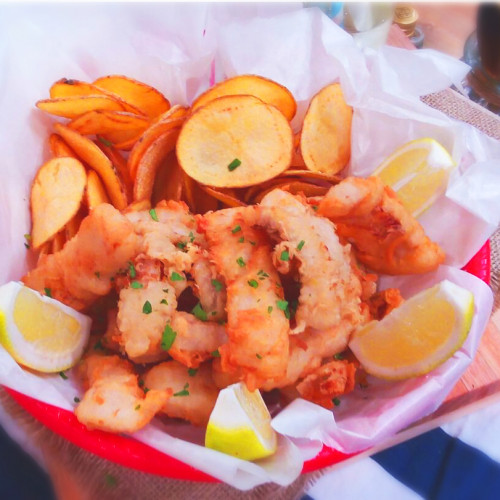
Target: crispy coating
(386,238)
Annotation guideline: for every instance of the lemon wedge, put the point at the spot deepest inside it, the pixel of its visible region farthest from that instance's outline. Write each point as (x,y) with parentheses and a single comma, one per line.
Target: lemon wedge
(418,336)
(39,332)
(240,424)
(418,172)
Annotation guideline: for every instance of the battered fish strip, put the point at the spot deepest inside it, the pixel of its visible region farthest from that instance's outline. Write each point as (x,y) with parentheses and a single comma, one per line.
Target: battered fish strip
(257,325)
(82,271)
(113,400)
(385,237)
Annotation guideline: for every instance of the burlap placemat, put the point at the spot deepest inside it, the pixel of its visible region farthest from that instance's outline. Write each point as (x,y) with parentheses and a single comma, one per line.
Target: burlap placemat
(78,474)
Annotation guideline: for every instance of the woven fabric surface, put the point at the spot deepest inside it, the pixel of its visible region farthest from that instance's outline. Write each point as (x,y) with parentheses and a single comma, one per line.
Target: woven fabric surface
(81,475)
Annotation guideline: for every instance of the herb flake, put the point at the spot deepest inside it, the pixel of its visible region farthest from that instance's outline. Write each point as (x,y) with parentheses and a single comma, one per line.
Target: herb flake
(48,292)
(285,256)
(253,283)
(184,391)
(168,337)
(236,229)
(153,214)
(199,313)
(192,371)
(336,401)
(234,165)
(301,245)
(136,284)
(217,285)
(176,277)
(146,308)
(63,375)
(241,262)
(216,353)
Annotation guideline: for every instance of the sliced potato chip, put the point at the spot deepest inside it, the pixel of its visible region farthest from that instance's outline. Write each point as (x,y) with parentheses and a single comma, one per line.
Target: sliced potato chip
(128,144)
(71,107)
(137,206)
(56,195)
(227,197)
(150,161)
(169,181)
(97,160)
(59,148)
(104,122)
(235,141)
(120,165)
(326,133)
(171,119)
(267,90)
(149,100)
(74,224)
(95,193)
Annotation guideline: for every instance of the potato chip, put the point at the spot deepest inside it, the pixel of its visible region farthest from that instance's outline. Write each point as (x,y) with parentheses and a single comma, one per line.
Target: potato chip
(120,165)
(56,196)
(267,90)
(150,161)
(169,181)
(169,120)
(149,100)
(235,141)
(326,133)
(95,194)
(138,206)
(102,122)
(127,144)
(97,160)
(59,148)
(227,197)
(71,107)
(74,224)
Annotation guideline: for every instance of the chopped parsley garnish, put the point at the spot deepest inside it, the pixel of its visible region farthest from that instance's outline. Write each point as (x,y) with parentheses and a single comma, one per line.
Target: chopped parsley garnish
(285,256)
(168,337)
(240,262)
(300,245)
(176,277)
(131,270)
(27,237)
(253,283)
(199,313)
(135,284)
(146,308)
(98,346)
(105,141)
(26,245)
(184,391)
(98,274)
(76,400)
(314,207)
(48,292)
(192,371)
(164,301)
(338,356)
(283,306)
(234,165)
(216,353)
(270,309)
(252,243)
(146,390)
(138,407)
(261,274)
(241,239)
(165,290)
(63,375)
(217,285)
(182,245)
(191,236)
(152,212)
(236,229)
(336,401)
(258,356)
(141,382)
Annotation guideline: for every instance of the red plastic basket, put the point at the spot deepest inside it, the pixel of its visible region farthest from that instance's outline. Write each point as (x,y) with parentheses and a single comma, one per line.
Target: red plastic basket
(131,453)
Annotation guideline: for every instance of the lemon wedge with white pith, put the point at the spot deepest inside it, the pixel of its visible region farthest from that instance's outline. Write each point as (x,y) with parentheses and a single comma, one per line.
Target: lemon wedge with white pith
(418,336)
(418,172)
(39,332)
(240,424)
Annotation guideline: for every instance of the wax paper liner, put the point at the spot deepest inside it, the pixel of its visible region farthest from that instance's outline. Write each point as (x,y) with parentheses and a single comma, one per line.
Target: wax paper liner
(182,50)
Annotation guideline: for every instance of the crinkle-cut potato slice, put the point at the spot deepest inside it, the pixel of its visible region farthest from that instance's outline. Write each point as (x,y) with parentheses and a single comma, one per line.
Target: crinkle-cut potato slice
(169,181)
(98,161)
(169,120)
(95,194)
(120,164)
(74,88)
(227,197)
(325,140)
(266,90)
(59,148)
(106,122)
(235,141)
(56,196)
(71,107)
(150,162)
(149,100)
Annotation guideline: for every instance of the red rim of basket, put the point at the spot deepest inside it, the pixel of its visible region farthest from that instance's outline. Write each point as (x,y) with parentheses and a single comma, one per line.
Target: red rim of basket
(139,456)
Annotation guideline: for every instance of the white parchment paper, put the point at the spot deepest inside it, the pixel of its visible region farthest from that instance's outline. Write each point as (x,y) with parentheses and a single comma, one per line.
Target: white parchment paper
(181,49)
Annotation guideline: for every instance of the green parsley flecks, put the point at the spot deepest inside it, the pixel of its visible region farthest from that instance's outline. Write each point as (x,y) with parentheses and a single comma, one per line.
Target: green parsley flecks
(336,401)
(241,239)
(236,229)
(176,277)
(270,309)
(136,284)
(131,270)
(63,375)
(168,337)
(184,391)
(192,371)
(240,262)
(258,356)
(199,313)
(253,283)
(48,292)
(216,353)
(147,308)
(164,301)
(98,275)
(181,244)
(285,256)
(234,165)
(153,214)
(301,245)
(217,285)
